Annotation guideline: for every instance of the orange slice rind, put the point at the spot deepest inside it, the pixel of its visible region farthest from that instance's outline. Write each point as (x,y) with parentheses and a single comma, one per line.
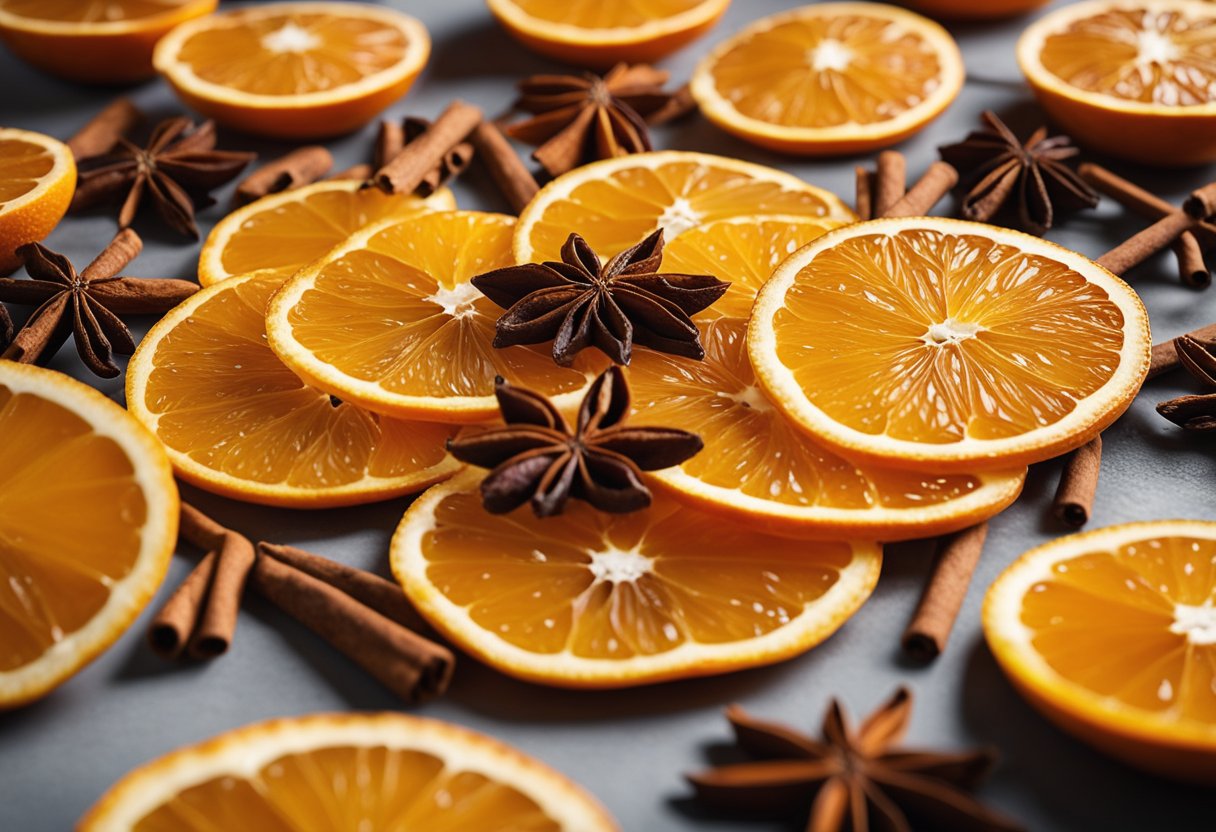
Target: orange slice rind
(37,180)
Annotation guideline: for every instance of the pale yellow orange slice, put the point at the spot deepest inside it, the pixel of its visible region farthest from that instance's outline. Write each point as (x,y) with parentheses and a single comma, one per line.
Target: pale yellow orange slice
(595,600)
(281,233)
(294,70)
(1112,635)
(88,522)
(943,345)
(238,422)
(390,320)
(830,78)
(37,180)
(350,772)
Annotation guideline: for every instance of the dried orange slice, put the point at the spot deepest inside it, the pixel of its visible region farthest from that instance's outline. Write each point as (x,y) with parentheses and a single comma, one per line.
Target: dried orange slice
(294,70)
(1132,79)
(353,772)
(594,600)
(87,526)
(281,233)
(944,345)
(616,202)
(830,78)
(759,466)
(236,421)
(37,180)
(390,320)
(95,41)
(598,34)
(1112,635)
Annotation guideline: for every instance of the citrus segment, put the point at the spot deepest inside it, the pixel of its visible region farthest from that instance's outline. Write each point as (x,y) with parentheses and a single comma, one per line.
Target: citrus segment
(926,342)
(280,234)
(390,320)
(617,202)
(236,421)
(830,78)
(1112,634)
(37,180)
(588,599)
(88,521)
(294,70)
(355,771)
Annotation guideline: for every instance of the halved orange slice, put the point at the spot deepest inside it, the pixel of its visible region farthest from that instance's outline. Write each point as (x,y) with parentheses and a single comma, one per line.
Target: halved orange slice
(616,202)
(944,345)
(1112,635)
(236,421)
(830,78)
(1133,79)
(281,233)
(88,522)
(351,772)
(597,34)
(94,41)
(593,600)
(390,320)
(294,70)
(37,180)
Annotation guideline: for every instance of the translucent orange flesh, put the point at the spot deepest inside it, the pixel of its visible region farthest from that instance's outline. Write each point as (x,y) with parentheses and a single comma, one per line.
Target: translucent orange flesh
(1160,56)
(284,239)
(291,54)
(64,539)
(752,447)
(596,14)
(351,789)
(933,337)
(1136,623)
(402,313)
(828,70)
(230,404)
(22,166)
(617,210)
(89,11)
(605,586)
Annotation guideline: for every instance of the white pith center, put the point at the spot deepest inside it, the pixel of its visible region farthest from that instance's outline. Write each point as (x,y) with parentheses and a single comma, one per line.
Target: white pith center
(1155,48)
(1198,624)
(457,301)
(949,331)
(619,566)
(750,396)
(830,55)
(678,218)
(290,38)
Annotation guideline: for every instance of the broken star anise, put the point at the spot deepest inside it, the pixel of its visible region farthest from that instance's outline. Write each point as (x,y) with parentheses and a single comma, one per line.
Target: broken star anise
(581,302)
(852,780)
(582,118)
(997,168)
(1197,413)
(537,458)
(175,171)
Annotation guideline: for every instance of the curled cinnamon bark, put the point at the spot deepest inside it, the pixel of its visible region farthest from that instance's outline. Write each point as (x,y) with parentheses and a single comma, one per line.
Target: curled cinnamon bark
(294,170)
(891,183)
(680,104)
(957,556)
(102,132)
(1148,242)
(508,171)
(927,192)
(1079,484)
(409,168)
(1165,356)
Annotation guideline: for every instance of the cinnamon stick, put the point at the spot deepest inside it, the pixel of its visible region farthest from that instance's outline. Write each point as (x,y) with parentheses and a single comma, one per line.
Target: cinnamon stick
(1201,204)
(414,668)
(116,256)
(361,172)
(220,607)
(927,192)
(390,140)
(407,170)
(1078,484)
(1132,196)
(891,183)
(293,170)
(680,104)
(1165,357)
(1191,266)
(864,200)
(1138,248)
(102,132)
(957,556)
(508,171)
(452,164)
(171,628)
(1191,412)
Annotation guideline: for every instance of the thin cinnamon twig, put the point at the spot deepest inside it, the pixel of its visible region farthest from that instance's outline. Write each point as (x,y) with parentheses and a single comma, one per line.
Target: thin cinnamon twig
(927,192)
(1165,357)
(451,165)
(216,618)
(1191,266)
(1074,498)
(680,104)
(361,172)
(864,200)
(407,170)
(298,168)
(1138,248)
(1201,204)
(102,132)
(508,171)
(891,182)
(390,140)
(171,627)
(115,257)
(957,556)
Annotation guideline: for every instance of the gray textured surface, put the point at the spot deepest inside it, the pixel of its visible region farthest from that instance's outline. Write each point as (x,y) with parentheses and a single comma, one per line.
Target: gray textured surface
(630,747)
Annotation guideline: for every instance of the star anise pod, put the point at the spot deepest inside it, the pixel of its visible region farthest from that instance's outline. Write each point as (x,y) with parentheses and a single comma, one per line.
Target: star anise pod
(537,458)
(857,780)
(1193,412)
(581,302)
(997,168)
(176,171)
(85,305)
(581,118)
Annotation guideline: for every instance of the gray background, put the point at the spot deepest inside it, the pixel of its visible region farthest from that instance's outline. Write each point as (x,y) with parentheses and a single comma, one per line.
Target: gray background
(629,747)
